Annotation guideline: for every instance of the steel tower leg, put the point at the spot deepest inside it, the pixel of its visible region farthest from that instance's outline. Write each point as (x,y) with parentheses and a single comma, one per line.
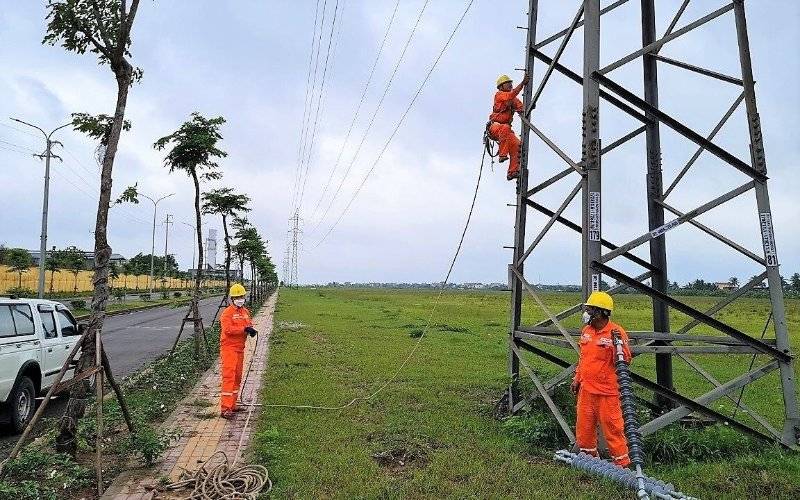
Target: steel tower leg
(590,154)
(655,189)
(791,429)
(521,213)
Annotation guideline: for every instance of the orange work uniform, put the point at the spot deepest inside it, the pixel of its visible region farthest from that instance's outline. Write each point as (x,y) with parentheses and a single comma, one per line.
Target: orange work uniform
(598,397)
(505,103)
(233,321)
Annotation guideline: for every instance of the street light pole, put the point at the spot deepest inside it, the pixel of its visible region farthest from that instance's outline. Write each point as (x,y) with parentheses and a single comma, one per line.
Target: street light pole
(48,153)
(153,242)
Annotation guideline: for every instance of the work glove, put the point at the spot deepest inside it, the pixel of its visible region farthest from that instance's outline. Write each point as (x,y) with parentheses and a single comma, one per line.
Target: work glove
(250,331)
(575,387)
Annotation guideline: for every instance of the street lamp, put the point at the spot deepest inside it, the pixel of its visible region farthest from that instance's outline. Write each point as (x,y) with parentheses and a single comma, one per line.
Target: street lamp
(153,245)
(48,153)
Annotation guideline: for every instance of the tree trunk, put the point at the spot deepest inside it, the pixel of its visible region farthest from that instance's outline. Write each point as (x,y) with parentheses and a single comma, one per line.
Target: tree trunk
(75,283)
(66,441)
(199,276)
(52,277)
(227,254)
(19,279)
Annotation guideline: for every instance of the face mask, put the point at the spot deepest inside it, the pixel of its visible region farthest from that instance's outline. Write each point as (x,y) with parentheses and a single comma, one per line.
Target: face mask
(586,317)
(238,302)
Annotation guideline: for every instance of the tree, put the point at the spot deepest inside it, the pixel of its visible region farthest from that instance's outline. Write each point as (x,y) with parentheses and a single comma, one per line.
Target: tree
(74,261)
(19,261)
(734,281)
(795,282)
(755,278)
(101,27)
(226,203)
(194,151)
(113,272)
(239,224)
(54,263)
(127,269)
(3,254)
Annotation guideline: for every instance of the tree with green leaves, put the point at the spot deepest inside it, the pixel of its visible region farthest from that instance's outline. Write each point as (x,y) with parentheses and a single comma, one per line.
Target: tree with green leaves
(103,28)
(74,261)
(794,281)
(239,225)
(54,263)
(194,151)
(18,261)
(225,203)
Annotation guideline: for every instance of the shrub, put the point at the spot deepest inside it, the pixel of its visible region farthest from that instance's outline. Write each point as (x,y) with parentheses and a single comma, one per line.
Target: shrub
(176,294)
(165,295)
(21,292)
(119,293)
(145,297)
(77,304)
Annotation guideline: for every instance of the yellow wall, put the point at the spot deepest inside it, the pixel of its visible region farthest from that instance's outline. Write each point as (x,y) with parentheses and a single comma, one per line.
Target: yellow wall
(64,281)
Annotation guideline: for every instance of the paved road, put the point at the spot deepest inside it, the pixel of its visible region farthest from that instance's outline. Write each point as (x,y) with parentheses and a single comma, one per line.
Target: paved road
(131,340)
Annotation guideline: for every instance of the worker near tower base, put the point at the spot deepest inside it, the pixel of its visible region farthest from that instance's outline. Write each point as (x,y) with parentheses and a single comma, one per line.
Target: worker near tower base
(235,324)
(595,381)
(506,104)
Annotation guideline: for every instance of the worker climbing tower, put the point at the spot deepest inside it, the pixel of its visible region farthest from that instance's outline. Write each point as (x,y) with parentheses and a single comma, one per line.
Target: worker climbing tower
(720,347)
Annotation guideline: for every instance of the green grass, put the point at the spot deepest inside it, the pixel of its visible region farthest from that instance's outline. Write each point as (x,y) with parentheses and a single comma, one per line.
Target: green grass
(436,418)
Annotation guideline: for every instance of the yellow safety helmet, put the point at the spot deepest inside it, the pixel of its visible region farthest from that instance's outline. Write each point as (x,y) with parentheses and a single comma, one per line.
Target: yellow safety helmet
(503,79)
(601,300)
(237,290)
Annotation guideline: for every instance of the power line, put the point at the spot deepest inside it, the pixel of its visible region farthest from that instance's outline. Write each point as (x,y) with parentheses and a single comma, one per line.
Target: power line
(319,103)
(400,122)
(305,132)
(306,101)
(358,109)
(374,113)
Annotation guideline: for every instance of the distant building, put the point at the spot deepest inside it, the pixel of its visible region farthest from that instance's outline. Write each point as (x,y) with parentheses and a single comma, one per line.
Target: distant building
(217,273)
(88,258)
(726,286)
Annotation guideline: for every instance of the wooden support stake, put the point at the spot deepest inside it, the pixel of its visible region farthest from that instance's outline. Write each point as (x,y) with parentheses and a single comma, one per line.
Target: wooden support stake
(118,392)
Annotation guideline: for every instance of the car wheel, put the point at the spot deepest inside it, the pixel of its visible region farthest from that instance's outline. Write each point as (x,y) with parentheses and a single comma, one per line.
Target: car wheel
(22,403)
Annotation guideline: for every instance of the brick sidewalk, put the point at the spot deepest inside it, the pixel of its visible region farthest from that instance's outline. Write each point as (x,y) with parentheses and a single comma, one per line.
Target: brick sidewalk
(201,435)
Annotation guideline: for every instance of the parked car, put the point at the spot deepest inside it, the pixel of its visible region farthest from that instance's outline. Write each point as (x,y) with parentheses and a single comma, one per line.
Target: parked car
(36,336)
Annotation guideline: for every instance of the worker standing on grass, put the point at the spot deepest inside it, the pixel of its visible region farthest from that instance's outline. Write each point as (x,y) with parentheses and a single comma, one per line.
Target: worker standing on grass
(595,381)
(235,325)
(499,125)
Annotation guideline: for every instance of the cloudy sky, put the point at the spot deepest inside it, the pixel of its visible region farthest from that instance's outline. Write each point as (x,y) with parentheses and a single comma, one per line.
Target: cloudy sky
(249,61)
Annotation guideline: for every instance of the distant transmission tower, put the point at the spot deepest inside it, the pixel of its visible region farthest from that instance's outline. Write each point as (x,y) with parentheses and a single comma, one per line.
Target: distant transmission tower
(294,233)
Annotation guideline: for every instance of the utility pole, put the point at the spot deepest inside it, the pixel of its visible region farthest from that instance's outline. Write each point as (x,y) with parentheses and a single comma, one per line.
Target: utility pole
(167,222)
(153,240)
(48,153)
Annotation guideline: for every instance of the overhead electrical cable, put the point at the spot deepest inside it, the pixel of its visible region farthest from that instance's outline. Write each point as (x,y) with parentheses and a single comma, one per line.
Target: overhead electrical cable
(314,97)
(306,101)
(399,123)
(319,103)
(374,114)
(358,109)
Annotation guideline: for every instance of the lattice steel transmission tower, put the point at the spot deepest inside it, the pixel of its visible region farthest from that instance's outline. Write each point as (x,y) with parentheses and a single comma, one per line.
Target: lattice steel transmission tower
(294,242)
(720,350)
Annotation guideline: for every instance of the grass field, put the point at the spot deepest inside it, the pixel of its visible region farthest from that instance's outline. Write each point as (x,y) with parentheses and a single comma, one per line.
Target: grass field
(432,432)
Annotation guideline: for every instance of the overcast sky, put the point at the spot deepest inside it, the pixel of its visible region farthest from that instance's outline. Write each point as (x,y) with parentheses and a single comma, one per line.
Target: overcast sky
(248,61)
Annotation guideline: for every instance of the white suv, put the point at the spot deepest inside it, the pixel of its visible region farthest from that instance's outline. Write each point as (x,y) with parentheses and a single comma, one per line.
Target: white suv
(35,338)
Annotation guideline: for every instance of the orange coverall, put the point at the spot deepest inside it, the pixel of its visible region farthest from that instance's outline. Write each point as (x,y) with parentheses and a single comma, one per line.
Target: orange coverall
(505,103)
(233,321)
(598,397)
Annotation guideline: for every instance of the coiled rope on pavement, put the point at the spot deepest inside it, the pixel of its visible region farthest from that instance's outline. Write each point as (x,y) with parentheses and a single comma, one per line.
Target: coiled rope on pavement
(223,480)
